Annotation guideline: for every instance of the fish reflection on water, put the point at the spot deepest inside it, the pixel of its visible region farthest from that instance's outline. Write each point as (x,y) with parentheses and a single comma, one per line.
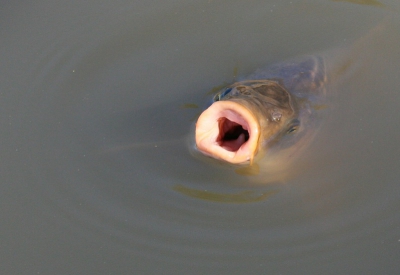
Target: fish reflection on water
(245,196)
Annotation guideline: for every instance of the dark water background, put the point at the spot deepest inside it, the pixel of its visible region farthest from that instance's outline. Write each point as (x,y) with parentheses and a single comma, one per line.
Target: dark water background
(96,172)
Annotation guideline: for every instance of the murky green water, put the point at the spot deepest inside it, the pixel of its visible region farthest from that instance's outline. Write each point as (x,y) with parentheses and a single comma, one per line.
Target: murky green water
(98,102)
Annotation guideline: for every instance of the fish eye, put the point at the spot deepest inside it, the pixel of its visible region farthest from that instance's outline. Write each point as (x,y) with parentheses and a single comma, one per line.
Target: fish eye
(294,126)
(292,129)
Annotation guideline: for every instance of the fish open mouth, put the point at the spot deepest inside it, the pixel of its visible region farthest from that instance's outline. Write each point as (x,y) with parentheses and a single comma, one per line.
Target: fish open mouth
(232,135)
(229,131)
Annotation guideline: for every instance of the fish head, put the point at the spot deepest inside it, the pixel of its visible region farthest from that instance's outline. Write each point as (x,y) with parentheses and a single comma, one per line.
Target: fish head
(244,118)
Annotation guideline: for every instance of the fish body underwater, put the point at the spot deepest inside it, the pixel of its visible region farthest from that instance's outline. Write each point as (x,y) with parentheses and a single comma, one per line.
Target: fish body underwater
(272,109)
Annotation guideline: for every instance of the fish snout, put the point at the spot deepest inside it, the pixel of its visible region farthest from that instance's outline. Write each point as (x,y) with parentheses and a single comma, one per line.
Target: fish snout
(229,131)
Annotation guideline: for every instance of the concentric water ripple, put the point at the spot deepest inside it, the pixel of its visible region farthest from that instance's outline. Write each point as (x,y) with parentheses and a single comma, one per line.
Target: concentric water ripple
(102,139)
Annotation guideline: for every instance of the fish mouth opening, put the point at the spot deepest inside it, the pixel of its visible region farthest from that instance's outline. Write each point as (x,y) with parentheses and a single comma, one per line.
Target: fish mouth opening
(228,130)
(232,135)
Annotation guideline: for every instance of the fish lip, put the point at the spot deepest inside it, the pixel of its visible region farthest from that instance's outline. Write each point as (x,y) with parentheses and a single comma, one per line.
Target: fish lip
(208,131)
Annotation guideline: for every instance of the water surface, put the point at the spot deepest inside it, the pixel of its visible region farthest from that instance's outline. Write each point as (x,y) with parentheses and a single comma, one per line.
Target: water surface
(96,169)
